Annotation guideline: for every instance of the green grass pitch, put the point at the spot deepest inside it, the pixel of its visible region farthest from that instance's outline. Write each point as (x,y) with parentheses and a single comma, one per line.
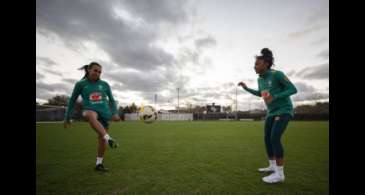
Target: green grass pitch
(218,157)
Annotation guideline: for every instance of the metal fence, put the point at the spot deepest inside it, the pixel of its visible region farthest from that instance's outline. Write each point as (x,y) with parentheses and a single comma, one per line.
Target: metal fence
(50,114)
(162,117)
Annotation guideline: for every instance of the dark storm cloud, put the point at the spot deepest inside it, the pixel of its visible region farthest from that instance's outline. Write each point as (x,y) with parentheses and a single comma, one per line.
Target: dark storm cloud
(46,91)
(139,81)
(43,94)
(251,82)
(52,72)
(118,86)
(147,90)
(205,42)
(291,73)
(320,41)
(315,72)
(160,11)
(71,81)
(317,20)
(308,30)
(221,91)
(188,55)
(57,87)
(304,88)
(130,46)
(324,54)
(161,98)
(307,92)
(96,21)
(39,76)
(45,61)
(199,99)
(228,85)
(310,96)
(212,94)
(320,13)
(194,57)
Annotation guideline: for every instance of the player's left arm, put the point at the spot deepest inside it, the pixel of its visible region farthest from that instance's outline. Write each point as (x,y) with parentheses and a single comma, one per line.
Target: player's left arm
(111,100)
(289,88)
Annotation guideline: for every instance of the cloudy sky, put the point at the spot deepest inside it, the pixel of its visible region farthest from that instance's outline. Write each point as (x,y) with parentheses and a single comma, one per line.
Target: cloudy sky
(202,47)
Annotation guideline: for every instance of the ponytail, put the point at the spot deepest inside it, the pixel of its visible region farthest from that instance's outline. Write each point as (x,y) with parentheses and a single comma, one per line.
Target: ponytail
(85,68)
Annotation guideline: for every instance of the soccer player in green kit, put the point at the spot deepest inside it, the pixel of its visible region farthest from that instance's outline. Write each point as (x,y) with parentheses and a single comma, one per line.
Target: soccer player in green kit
(275,88)
(96,110)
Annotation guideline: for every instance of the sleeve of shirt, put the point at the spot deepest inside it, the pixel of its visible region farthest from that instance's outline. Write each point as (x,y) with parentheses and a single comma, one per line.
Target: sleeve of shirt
(71,101)
(289,88)
(253,91)
(111,100)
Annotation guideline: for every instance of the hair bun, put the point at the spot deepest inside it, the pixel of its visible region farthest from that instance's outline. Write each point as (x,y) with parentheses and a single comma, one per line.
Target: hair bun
(266,52)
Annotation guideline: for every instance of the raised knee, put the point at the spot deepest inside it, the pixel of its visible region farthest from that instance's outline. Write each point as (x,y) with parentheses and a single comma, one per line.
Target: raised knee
(88,115)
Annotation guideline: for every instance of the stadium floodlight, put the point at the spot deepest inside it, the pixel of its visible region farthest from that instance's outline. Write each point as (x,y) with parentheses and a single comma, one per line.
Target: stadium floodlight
(178,108)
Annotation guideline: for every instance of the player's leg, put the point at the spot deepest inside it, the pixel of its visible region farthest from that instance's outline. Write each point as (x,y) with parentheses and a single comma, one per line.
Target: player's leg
(98,126)
(104,121)
(100,155)
(269,149)
(92,118)
(101,146)
(278,129)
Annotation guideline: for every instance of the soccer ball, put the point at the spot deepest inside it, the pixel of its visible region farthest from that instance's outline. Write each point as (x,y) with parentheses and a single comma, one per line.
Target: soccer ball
(147,114)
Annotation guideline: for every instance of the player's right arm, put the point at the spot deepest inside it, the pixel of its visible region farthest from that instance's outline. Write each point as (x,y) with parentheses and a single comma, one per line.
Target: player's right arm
(252,91)
(69,110)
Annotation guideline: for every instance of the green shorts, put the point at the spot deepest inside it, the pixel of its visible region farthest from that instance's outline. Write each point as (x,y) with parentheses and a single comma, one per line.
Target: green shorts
(102,119)
(103,122)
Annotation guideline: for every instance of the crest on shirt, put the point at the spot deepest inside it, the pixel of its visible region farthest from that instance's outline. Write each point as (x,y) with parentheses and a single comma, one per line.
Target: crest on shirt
(269,83)
(95,97)
(100,87)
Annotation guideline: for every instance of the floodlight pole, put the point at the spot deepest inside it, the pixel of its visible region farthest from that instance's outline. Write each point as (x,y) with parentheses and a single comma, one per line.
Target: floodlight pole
(178,108)
(236,106)
(249,106)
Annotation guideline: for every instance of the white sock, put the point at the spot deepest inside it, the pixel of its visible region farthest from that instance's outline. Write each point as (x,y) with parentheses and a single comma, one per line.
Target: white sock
(106,137)
(272,163)
(280,170)
(99,160)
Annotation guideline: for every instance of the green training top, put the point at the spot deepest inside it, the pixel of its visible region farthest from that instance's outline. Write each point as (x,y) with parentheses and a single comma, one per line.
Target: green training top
(93,98)
(280,88)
